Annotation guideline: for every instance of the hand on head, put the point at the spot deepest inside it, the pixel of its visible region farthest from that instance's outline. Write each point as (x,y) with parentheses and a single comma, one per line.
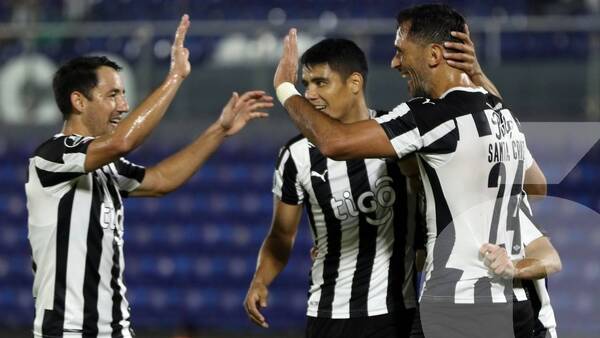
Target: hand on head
(461,55)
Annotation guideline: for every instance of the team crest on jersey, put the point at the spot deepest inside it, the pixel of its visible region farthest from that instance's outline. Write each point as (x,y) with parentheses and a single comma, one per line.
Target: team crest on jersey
(504,126)
(73,141)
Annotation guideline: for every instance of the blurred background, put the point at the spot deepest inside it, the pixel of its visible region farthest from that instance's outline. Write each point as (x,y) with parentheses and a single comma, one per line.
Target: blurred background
(191,255)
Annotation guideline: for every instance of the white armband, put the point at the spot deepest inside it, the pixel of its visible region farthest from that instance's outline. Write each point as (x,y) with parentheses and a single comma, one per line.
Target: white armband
(286,90)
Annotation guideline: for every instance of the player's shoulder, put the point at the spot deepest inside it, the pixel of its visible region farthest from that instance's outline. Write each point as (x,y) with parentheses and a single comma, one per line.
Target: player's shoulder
(292,143)
(53,148)
(298,139)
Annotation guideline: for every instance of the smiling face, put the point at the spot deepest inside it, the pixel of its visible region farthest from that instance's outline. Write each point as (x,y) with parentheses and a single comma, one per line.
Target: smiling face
(107,103)
(409,61)
(327,91)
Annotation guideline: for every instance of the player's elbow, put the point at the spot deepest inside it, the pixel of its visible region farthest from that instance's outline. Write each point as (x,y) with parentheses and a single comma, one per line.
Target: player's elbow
(119,146)
(554,265)
(536,191)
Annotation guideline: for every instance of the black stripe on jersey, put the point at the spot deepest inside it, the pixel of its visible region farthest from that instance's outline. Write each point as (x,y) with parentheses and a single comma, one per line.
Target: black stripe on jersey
(115,272)
(322,191)
(444,145)
(538,327)
(287,147)
(399,125)
(367,241)
(446,237)
(129,170)
(396,272)
(481,123)
(91,279)
(483,290)
(53,320)
(289,194)
(443,216)
(430,113)
(53,149)
(311,221)
(49,178)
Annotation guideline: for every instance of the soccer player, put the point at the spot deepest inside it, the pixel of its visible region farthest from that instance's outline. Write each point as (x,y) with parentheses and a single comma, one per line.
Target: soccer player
(77,179)
(472,159)
(362,216)
(544,323)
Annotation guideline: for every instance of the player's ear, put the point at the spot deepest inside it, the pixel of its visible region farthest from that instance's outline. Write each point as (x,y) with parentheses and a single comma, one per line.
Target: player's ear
(356,81)
(78,101)
(435,55)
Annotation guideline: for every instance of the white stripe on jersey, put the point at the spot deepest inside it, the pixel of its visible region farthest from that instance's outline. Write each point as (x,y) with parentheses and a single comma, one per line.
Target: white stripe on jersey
(438,132)
(76,261)
(73,163)
(399,111)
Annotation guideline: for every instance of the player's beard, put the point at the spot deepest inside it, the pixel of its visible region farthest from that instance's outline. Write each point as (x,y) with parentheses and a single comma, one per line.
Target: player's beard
(418,87)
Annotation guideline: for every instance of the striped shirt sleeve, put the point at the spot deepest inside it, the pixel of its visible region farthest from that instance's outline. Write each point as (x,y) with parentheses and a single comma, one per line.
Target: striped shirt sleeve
(129,176)
(286,185)
(401,128)
(61,159)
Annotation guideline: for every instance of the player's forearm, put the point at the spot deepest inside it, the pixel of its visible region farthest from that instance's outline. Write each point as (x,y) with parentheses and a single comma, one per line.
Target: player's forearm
(319,128)
(482,80)
(534,268)
(272,259)
(132,131)
(176,169)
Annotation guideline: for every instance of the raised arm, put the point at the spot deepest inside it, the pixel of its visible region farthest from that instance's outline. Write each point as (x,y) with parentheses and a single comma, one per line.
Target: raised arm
(133,129)
(272,258)
(334,139)
(175,170)
(462,55)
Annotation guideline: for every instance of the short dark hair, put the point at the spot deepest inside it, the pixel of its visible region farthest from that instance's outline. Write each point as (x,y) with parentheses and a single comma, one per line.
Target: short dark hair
(79,74)
(432,23)
(342,56)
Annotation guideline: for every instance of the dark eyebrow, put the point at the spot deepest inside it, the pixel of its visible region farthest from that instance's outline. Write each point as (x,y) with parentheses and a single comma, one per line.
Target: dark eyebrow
(315,79)
(116,90)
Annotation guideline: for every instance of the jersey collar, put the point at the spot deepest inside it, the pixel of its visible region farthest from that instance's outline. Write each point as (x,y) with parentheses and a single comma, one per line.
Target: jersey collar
(465,89)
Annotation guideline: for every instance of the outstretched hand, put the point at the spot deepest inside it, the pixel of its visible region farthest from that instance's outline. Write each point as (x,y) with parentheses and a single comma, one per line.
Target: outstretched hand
(287,69)
(241,109)
(461,55)
(180,63)
(256,299)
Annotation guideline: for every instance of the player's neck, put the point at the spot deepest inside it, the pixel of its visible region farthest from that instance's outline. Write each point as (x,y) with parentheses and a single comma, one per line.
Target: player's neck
(359,112)
(448,80)
(74,126)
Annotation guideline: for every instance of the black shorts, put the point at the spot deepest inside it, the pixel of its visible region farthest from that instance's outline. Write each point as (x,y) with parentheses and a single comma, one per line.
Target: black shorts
(400,324)
(382,326)
(499,320)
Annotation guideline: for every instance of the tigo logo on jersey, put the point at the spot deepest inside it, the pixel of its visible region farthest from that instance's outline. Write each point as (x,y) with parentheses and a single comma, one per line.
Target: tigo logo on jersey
(370,203)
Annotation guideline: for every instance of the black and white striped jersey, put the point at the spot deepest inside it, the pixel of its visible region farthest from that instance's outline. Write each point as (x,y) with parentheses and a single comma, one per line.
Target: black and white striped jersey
(75,224)
(472,157)
(362,220)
